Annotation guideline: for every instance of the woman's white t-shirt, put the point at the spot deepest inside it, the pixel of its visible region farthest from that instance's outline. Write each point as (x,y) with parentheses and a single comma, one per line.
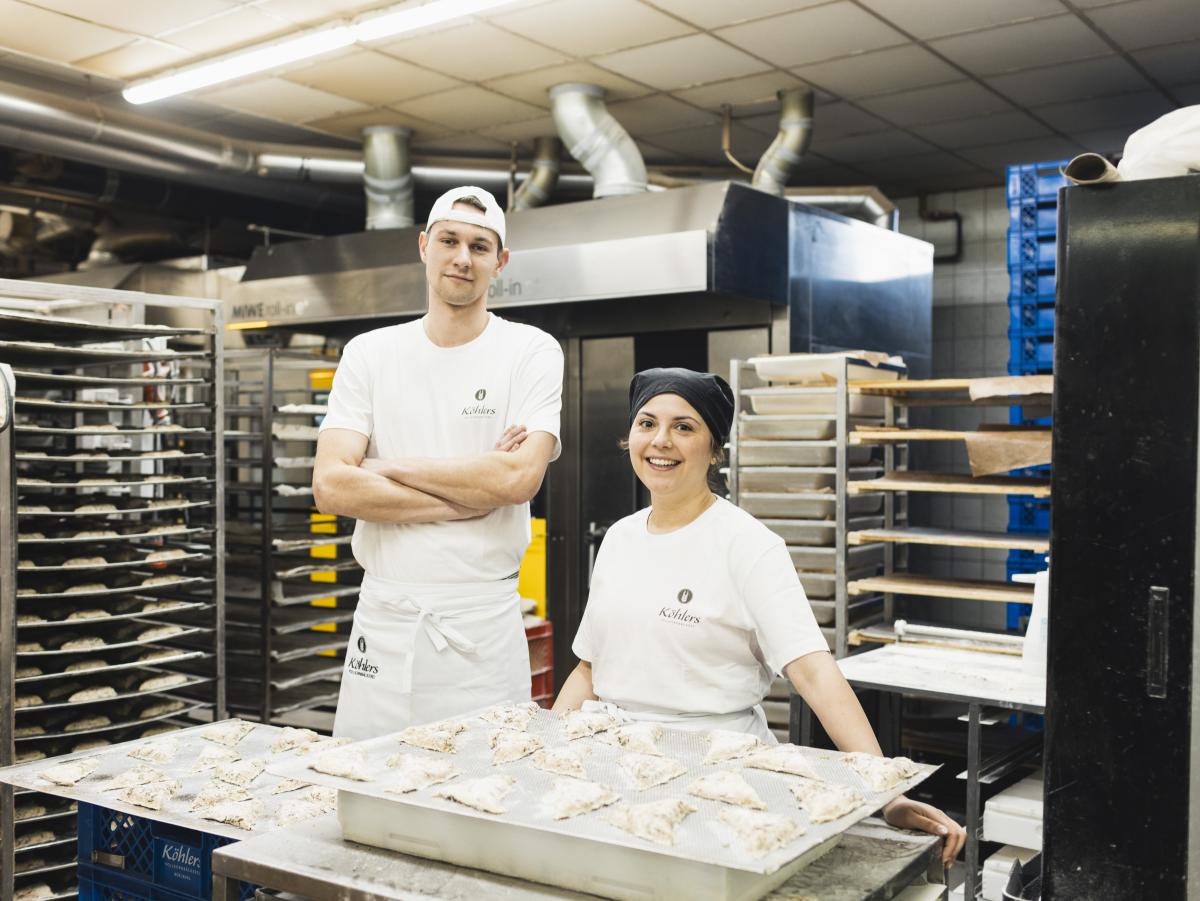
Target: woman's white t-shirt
(695,621)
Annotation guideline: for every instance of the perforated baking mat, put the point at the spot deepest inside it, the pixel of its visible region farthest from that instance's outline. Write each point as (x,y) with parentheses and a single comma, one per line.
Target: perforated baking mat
(701,837)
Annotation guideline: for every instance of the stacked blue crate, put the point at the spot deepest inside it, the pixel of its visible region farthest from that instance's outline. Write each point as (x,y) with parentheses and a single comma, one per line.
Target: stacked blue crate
(1032,257)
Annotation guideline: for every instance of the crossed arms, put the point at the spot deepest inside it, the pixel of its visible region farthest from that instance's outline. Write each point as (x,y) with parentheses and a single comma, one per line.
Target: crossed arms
(419,489)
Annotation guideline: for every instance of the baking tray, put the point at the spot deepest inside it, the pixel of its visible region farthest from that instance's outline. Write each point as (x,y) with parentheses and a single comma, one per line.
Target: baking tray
(103,484)
(108,456)
(37,353)
(31,326)
(59,380)
(822,369)
(808,427)
(115,759)
(134,533)
(124,693)
(181,505)
(805,505)
(787,401)
(586,852)
(124,665)
(85,406)
(797,453)
(819,586)
(817,559)
(181,431)
(795,478)
(186,557)
(133,588)
(120,644)
(287,620)
(130,722)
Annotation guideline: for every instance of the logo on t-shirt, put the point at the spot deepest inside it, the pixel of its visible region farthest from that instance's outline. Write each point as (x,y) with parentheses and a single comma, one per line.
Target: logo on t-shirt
(478,409)
(360,664)
(685,596)
(678,616)
(481,394)
(362,644)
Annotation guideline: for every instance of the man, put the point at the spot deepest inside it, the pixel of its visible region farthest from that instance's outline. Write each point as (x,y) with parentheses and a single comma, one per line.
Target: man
(438,434)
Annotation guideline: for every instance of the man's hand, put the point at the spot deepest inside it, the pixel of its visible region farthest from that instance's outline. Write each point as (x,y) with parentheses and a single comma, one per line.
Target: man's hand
(454,511)
(904,813)
(512,438)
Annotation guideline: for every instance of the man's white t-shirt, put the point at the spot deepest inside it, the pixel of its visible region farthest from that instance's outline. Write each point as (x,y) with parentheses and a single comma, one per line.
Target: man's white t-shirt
(412,398)
(695,621)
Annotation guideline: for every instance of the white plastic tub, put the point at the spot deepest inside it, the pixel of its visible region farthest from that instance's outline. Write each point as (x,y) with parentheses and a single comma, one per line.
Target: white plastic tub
(805,506)
(783,401)
(824,558)
(786,428)
(797,453)
(816,369)
(997,867)
(1014,816)
(785,478)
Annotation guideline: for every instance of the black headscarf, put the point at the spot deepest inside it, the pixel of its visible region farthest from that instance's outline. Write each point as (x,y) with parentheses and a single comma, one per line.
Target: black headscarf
(709,394)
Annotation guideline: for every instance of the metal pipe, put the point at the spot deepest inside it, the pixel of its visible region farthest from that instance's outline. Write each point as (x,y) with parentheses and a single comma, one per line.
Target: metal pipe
(387,179)
(542,177)
(597,140)
(795,132)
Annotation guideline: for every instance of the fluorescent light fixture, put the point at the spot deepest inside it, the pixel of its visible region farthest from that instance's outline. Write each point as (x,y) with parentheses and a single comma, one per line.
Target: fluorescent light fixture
(372,27)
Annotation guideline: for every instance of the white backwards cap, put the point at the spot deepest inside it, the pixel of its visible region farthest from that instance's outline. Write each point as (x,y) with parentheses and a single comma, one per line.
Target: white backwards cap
(444,211)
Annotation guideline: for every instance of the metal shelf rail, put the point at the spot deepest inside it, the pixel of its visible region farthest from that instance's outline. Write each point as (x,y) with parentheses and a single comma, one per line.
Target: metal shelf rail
(111,541)
(291,604)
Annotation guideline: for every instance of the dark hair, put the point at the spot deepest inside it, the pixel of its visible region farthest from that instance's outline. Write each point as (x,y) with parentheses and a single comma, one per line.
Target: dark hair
(471,200)
(716,482)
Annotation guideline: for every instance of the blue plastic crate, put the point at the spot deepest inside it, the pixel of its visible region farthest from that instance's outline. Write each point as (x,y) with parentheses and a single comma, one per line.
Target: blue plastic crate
(1027,514)
(1036,181)
(159,860)
(1032,312)
(1031,348)
(1032,251)
(1030,281)
(1025,562)
(1030,215)
(1017,416)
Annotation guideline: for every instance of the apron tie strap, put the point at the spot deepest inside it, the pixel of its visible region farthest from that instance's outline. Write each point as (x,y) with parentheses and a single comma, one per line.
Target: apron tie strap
(441,635)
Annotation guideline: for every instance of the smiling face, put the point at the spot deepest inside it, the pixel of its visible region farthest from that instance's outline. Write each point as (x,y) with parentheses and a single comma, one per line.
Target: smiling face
(460,261)
(671,448)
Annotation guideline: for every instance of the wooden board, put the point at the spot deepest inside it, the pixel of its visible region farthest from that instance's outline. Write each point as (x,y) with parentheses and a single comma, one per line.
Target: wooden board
(953,483)
(1001,386)
(886,635)
(1039,543)
(883,434)
(930,586)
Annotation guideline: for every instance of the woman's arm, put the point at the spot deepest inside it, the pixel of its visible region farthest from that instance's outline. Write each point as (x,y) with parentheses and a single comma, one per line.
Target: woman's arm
(576,690)
(818,680)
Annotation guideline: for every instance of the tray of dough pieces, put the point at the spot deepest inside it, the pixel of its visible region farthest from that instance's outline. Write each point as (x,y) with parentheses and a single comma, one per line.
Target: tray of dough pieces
(705,853)
(246,800)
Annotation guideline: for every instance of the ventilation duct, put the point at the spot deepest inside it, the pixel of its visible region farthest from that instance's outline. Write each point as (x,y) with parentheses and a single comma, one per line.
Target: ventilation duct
(597,140)
(795,132)
(536,189)
(387,178)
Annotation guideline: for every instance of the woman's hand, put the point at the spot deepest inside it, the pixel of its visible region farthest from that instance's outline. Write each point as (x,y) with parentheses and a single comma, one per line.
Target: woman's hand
(904,813)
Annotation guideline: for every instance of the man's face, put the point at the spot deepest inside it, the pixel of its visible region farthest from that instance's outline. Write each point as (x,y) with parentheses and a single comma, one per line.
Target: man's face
(461,260)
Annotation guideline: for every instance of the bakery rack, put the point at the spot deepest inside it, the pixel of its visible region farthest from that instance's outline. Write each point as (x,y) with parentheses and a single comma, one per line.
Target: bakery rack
(111,555)
(293,582)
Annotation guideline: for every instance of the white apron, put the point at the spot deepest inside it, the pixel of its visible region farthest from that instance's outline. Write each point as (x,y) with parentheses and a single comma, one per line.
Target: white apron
(424,652)
(751,720)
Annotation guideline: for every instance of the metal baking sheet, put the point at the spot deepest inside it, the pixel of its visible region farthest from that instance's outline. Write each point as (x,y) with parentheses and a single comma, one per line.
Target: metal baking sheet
(26,377)
(181,431)
(795,478)
(101,485)
(83,406)
(95,624)
(135,587)
(797,453)
(287,620)
(130,722)
(805,505)
(107,456)
(38,353)
(159,693)
(22,324)
(788,428)
(698,838)
(304,697)
(137,534)
(124,666)
(291,674)
(786,401)
(120,564)
(53,615)
(182,505)
(116,759)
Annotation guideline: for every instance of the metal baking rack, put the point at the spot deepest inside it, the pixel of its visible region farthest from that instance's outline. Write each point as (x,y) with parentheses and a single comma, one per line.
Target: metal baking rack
(291,604)
(111,556)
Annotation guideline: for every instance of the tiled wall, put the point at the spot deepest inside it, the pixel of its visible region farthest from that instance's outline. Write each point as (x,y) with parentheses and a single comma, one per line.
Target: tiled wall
(970,339)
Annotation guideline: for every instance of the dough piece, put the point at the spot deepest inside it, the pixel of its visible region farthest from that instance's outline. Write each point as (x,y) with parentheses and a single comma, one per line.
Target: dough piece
(158,654)
(217,793)
(82,644)
(825,802)
(34,838)
(647,770)
(90,744)
(415,772)
(239,772)
(508,745)
(239,814)
(728,787)
(28,731)
(782,759)
(30,619)
(138,775)
(292,738)
(30,756)
(155,606)
(28,701)
(96,508)
(581,723)
(724,744)
(32,508)
(159,730)
(152,796)
(640,738)
(94,482)
(86,588)
(89,722)
(296,810)
(159,632)
(30,647)
(345,763)
(165,530)
(571,797)
(29,811)
(485,794)
(434,737)
(26,592)
(162,708)
(163,503)
(29,863)
(36,892)
(169,554)
(82,666)
(90,613)
(161,751)
(99,693)
(758,834)
(84,561)
(29,672)
(324,744)
(510,716)
(96,533)
(880,773)
(655,821)
(214,757)
(563,761)
(26,564)
(158,683)
(290,785)
(152,581)
(324,795)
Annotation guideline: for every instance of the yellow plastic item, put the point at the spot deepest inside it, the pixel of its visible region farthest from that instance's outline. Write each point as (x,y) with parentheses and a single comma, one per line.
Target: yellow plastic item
(531,581)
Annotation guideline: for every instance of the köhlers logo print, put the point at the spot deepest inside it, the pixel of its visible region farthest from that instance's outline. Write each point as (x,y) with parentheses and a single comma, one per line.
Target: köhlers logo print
(360,664)
(481,394)
(685,596)
(479,408)
(362,645)
(677,615)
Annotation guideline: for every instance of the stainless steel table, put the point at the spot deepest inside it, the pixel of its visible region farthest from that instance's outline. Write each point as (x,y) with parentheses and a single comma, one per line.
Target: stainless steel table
(873,862)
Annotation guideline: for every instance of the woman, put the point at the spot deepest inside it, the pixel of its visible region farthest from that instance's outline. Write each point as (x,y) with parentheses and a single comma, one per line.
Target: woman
(695,605)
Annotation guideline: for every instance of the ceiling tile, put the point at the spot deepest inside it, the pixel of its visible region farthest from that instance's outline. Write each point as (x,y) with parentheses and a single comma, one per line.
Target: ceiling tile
(682,62)
(276,98)
(534,87)
(245,127)
(522,132)
(586,28)
(1014,47)
(810,35)
(351,125)
(997,156)
(880,72)
(1104,140)
(1072,81)
(317,12)
(38,32)
(1149,22)
(658,156)
(869,147)
(747,96)
(144,17)
(977,130)
(1173,64)
(936,104)
(468,109)
(935,18)
(142,57)
(462,145)
(372,78)
(473,51)
(236,28)
(656,114)
(1132,110)
(704,144)
(906,168)
(716,13)
(836,120)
